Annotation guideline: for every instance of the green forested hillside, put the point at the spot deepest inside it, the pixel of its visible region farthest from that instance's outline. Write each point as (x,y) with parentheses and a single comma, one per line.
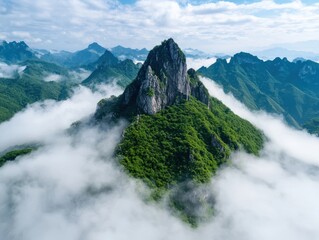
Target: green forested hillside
(312,126)
(178,135)
(278,86)
(12,155)
(122,73)
(185,141)
(30,87)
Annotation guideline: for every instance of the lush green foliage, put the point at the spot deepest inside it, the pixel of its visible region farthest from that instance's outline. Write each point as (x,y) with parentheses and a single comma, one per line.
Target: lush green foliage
(184,145)
(177,149)
(12,155)
(30,87)
(184,142)
(312,126)
(278,86)
(122,73)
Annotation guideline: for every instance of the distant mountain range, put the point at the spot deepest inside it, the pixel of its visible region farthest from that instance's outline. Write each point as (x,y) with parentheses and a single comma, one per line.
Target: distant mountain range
(123,53)
(90,55)
(77,59)
(40,74)
(272,53)
(15,52)
(278,86)
(197,54)
(108,69)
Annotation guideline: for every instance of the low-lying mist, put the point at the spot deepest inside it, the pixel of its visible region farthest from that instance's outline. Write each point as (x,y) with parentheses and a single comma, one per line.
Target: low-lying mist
(273,196)
(197,63)
(10,71)
(71,187)
(53,78)
(45,120)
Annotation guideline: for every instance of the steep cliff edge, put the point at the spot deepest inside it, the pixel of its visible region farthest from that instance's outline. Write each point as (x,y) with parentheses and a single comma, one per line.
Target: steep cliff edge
(162,81)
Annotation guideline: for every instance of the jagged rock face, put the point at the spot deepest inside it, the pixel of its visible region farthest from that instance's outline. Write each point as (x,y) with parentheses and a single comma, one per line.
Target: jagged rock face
(14,52)
(198,90)
(149,99)
(162,80)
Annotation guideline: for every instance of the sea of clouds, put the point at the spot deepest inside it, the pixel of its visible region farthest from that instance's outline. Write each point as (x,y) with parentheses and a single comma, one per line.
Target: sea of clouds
(71,187)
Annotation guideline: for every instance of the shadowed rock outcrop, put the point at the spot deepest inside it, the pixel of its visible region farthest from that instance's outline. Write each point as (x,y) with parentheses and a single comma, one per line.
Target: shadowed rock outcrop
(162,81)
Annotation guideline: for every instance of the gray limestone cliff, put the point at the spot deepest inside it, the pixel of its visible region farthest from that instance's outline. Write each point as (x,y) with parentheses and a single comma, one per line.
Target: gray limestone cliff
(162,81)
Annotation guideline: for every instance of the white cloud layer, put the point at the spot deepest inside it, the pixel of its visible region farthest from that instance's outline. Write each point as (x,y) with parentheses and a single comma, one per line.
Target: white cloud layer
(10,71)
(197,63)
(39,121)
(219,26)
(275,195)
(53,78)
(71,188)
(79,75)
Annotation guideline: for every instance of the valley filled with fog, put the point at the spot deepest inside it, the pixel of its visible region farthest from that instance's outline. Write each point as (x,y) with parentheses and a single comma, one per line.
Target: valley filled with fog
(71,187)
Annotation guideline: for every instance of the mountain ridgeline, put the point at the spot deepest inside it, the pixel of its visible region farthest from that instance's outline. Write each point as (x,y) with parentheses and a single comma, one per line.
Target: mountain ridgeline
(178,135)
(278,86)
(77,59)
(39,75)
(128,53)
(33,84)
(15,52)
(162,81)
(108,69)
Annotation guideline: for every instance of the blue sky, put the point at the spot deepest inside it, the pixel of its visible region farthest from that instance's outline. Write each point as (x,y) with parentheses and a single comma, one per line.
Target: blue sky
(212,26)
(234,1)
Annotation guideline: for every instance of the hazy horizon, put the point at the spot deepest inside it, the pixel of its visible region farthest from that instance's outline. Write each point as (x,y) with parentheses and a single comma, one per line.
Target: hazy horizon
(210,26)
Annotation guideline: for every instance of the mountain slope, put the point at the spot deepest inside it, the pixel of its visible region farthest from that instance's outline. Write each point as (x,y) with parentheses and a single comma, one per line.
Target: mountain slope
(12,155)
(178,133)
(312,126)
(108,69)
(128,53)
(77,59)
(32,85)
(278,86)
(15,52)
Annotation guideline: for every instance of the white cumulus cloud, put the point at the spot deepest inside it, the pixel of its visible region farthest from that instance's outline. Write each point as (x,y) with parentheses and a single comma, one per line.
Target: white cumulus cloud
(221,26)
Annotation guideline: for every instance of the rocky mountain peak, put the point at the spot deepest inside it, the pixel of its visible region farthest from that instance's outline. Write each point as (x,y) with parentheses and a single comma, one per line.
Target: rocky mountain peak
(22,44)
(107,59)
(161,82)
(95,46)
(14,52)
(244,58)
